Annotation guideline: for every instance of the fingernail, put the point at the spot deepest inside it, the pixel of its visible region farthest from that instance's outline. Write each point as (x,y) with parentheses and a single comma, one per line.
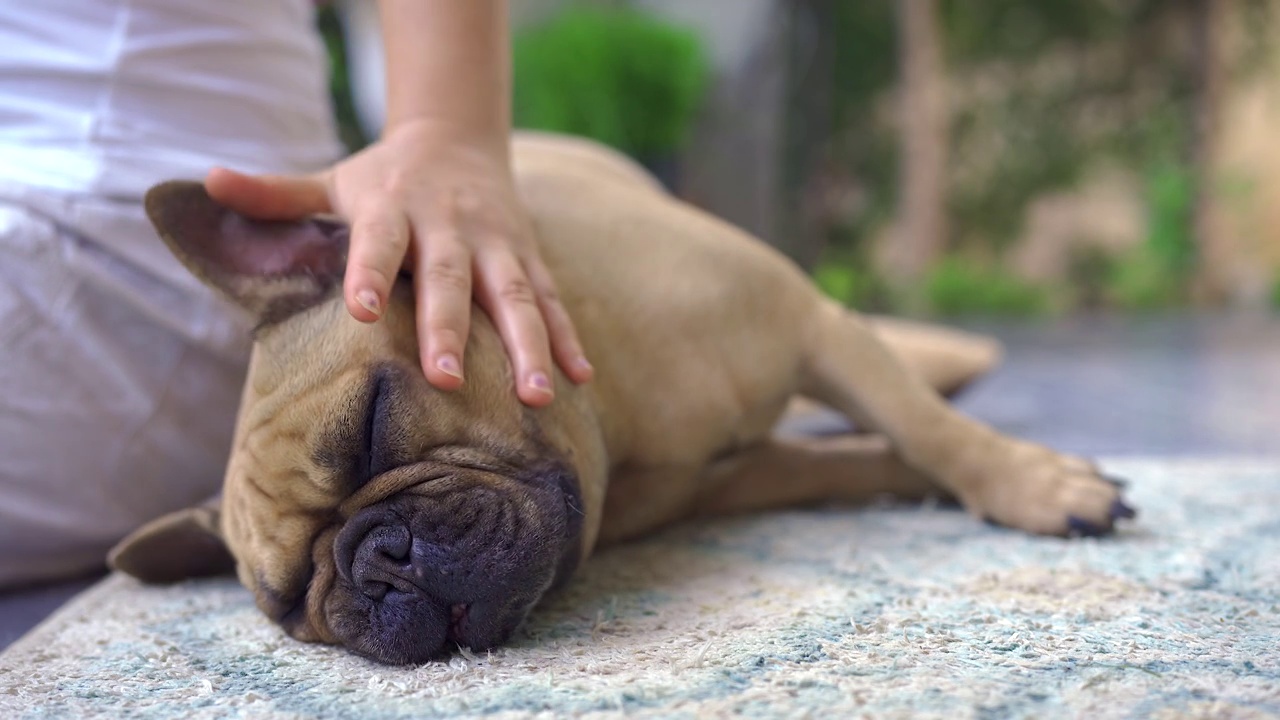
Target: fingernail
(583,364)
(368,300)
(449,365)
(540,381)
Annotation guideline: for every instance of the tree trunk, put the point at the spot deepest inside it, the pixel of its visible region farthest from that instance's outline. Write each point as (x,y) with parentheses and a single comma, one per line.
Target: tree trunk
(1212,280)
(921,231)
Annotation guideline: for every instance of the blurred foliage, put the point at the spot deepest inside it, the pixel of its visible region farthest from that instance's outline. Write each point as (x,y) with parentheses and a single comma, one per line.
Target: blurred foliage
(614,74)
(1275,293)
(349,130)
(1140,280)
(851,284)
(1169,204)
(1039,93)
(962,287)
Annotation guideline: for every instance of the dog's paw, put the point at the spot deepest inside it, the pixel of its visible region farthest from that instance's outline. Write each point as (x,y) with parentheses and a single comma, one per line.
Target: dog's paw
(1033,488)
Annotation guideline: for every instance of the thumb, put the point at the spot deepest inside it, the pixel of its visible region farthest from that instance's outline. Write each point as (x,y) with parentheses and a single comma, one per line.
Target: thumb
(269,197)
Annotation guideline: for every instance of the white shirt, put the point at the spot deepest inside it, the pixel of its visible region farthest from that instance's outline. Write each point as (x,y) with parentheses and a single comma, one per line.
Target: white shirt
(107,97)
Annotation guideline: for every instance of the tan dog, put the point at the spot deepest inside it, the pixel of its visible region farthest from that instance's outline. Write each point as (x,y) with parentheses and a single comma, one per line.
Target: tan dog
(365,508)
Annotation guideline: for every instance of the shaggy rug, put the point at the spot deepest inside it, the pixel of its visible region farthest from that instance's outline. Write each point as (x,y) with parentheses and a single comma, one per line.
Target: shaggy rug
(894,611)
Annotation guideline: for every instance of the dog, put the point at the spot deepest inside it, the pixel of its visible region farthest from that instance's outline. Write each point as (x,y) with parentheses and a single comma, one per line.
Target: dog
(364,508)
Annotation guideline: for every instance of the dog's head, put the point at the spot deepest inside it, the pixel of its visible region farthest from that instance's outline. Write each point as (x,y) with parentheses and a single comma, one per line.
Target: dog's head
(361,506)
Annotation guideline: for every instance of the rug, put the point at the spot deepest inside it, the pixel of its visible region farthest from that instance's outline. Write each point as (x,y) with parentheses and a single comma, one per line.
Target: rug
(888,611)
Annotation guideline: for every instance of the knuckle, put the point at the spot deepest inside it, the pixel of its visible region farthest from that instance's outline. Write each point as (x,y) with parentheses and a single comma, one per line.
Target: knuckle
(379,230)
(444,337)
(549,293)
(396,182)
(447,239)
(378,273)
(448,273)
(517,290)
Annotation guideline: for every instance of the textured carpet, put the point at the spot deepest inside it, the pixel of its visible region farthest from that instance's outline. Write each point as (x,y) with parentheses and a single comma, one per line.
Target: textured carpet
(902,611)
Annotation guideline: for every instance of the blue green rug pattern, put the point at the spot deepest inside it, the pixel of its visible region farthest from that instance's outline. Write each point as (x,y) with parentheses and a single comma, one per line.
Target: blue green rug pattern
(890,611)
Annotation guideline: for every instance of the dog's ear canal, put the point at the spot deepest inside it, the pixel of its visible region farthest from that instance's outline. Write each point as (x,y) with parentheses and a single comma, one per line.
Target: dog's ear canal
(183,544)
(270,268)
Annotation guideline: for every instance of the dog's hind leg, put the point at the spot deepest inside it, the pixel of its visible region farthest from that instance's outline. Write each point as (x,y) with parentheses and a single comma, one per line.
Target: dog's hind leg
(1015,483)
(782,473)
(947,360)
(770,474)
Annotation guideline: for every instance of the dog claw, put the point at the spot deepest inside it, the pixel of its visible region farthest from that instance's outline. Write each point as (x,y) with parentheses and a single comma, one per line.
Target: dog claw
(1118,482)
(1121,509)
(1079,527)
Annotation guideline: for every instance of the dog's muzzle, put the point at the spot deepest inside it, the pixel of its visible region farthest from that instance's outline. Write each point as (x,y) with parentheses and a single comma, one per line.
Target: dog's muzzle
(450,565)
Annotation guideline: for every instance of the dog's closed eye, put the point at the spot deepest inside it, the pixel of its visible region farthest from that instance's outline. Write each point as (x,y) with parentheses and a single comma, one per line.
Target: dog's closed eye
(365,438)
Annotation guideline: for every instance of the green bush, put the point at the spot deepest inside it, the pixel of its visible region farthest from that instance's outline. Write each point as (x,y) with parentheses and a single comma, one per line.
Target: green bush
(330,28)
(849,284)
(1142,280)
(617,75)
(1155,275)
(958,287)
(1169,200)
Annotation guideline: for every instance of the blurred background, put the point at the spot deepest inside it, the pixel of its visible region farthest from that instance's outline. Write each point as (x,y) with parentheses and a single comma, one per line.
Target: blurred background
(929,157)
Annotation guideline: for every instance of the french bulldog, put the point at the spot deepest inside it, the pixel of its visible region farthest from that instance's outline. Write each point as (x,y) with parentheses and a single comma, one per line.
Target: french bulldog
(364,508)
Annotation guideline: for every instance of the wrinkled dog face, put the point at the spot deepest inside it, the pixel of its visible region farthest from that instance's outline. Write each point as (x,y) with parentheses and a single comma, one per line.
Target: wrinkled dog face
(362,511)
(361,506)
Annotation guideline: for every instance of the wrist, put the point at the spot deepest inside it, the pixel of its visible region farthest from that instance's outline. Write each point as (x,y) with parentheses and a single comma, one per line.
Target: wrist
(494,143)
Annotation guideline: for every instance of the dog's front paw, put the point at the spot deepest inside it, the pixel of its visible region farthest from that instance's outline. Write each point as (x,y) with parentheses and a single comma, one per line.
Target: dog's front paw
(1033,488)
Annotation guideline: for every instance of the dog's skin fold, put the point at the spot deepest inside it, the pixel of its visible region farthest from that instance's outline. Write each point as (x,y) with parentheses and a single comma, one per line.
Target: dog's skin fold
(365,508)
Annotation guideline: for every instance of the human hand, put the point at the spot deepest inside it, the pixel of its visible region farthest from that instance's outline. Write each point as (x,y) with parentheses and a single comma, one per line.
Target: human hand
(444,207)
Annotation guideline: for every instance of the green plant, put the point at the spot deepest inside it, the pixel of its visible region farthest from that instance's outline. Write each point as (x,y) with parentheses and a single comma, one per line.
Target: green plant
(614,74)
(850,284)
(1169,240)
(959,287)
(1155,275)
(344,110)
(1140,280)
(1275,292)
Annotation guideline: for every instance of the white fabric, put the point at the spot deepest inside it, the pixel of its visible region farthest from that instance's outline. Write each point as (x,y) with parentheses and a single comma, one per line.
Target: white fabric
(119,373)
(366,62)
(117,390)
(104,96)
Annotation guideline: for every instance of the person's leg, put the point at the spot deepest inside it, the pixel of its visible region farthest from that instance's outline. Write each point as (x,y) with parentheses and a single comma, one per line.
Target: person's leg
(110,413)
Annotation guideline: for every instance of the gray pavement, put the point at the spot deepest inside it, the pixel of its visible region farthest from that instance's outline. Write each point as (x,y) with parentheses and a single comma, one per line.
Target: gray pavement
(1202,386)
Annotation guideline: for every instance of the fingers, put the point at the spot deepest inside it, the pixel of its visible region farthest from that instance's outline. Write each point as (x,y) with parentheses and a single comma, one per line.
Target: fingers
(505,290)
(269,197)
(565,346)
(379,241)
(442,282)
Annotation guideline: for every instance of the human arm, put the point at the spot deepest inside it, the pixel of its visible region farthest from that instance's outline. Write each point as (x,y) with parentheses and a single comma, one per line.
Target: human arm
(434,194)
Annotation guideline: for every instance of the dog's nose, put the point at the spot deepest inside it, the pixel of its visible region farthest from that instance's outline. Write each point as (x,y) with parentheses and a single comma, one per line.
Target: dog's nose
(389,557)
(419,574)
(427,596)
(383,560)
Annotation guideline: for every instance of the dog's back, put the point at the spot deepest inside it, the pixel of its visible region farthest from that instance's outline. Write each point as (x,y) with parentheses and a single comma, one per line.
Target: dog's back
(666,299)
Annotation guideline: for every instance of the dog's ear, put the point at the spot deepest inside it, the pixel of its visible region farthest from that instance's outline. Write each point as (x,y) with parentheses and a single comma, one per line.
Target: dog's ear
(183,544)
(271,268)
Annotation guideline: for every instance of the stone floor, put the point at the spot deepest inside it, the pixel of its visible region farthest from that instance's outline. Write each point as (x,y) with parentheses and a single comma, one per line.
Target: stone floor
(1175,387)
(1105,386)
(1157,386)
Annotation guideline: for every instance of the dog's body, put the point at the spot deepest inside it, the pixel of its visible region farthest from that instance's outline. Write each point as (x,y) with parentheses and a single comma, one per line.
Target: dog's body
(365,508)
